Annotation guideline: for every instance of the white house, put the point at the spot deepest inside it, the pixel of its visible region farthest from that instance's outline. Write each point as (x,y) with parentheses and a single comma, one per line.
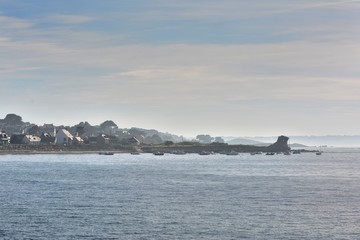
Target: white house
(64,137)
(31,139)
(4,138)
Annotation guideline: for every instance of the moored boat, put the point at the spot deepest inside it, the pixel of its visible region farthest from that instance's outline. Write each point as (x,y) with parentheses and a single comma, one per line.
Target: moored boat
(158,153)
(178,152)
(270,153)
(106,153)
(232,153)
(204,153)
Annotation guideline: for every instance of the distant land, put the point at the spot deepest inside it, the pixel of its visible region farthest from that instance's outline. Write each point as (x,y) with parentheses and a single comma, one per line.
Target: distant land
(13,123)
(302,141)
(19,137)
(247,141)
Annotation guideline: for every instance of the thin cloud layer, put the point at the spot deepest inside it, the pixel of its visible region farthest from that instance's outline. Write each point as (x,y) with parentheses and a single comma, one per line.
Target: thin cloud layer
(179,64)
(70,19)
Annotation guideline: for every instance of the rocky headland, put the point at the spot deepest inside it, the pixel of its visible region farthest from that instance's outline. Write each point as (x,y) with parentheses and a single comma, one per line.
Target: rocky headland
(18,137)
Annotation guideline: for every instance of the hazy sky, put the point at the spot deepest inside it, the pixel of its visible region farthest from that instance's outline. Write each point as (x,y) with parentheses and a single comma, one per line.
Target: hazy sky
(222,67)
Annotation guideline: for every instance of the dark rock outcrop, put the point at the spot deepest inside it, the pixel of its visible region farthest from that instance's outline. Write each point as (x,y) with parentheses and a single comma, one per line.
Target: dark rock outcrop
(281,145)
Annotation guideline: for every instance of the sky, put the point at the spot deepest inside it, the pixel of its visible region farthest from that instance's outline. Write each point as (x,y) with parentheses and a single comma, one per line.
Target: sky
(219,67)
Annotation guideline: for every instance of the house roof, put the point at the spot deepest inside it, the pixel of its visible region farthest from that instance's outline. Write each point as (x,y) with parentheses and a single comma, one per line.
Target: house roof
(133,140)
(78,139)
(17,138)
(33,138)
(46,135)
(67,133)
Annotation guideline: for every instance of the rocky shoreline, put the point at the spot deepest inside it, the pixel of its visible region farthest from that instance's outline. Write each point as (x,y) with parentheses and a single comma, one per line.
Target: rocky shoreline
(279,146)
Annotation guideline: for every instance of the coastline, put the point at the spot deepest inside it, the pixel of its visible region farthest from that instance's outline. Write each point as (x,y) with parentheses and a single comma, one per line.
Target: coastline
(279,146)
(55,152)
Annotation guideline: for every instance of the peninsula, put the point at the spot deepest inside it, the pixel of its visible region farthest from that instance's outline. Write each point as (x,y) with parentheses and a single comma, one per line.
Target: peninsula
(18,137)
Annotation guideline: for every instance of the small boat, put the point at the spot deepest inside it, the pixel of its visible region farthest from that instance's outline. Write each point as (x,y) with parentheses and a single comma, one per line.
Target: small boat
(106,153)
(204,153)
(255,153)
(319,152)
(158,153)
(270,153)
(232,153)
(180,152)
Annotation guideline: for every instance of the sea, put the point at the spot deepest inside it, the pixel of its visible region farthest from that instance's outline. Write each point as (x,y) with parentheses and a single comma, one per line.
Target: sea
(123,196)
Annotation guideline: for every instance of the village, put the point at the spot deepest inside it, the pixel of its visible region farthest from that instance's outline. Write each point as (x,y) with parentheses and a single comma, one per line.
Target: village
(63,137)
(18,135)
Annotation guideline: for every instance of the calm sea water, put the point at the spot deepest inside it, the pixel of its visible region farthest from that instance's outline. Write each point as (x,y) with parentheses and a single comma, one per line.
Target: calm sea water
(180,197)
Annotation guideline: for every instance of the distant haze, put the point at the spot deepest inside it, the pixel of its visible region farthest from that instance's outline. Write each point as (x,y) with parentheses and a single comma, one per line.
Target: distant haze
(307,141)
(225,68)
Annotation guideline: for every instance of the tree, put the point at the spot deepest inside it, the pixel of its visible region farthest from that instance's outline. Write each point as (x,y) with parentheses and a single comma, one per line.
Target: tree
(219,140)
(204,138)
(80,130)
(13,119)
(34,130)
(107,124)
(168,143)
(153,140)
(136,132)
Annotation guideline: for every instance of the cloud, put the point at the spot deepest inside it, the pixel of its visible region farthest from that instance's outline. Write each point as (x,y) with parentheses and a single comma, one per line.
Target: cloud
(288,70)
(14,23)
(327,4)
(214,11)
(15,69)
(93,69)
(70,19)
(319,32)
(236,22)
